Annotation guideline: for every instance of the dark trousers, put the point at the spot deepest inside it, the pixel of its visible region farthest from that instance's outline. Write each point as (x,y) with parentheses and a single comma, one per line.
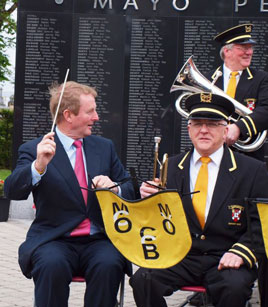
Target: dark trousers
(228,287)
(95,257)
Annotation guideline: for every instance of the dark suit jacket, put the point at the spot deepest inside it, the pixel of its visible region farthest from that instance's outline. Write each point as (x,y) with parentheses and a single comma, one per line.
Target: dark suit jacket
(252,87)
(239,177)
(58,197)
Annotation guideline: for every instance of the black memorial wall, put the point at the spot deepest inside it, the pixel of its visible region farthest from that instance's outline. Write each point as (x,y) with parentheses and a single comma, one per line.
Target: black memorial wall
(131,51)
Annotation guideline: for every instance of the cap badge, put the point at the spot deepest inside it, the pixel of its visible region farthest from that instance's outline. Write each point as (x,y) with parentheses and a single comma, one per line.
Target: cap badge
(248,28)
(206,97)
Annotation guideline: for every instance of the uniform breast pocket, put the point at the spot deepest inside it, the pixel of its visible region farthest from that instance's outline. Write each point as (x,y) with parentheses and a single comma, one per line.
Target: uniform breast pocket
(236,214)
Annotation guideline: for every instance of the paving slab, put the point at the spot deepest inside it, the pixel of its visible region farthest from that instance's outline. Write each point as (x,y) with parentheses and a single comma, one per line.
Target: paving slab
(16,290)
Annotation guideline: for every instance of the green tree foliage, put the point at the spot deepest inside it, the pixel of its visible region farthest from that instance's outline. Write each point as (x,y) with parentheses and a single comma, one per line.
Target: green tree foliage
(7,35)
(6,131)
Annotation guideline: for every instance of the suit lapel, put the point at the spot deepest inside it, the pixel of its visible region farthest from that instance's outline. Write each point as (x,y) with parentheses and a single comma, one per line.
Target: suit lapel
(93,158)
(223,187)
(62,164)
(219,82)
(183,186)
(244,83)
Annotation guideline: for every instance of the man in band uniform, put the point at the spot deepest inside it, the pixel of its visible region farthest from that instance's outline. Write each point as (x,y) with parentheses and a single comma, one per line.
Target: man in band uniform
(251,87)
(222,257)
(237,47)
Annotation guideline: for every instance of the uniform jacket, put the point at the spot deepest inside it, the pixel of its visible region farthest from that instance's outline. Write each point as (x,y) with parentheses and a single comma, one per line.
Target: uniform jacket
(226,226)
(251,91)
(58,197)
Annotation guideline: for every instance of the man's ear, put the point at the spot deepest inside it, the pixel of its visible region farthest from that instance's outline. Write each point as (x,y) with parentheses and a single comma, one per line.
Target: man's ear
(67,114)
(226,129)
(226,51)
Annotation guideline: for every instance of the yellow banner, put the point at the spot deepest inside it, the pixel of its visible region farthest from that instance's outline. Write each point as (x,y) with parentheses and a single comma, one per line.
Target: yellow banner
(151,232)
(263,213)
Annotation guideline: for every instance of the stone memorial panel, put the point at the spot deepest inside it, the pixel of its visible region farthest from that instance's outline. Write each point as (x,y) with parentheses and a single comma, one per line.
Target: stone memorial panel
(131,51)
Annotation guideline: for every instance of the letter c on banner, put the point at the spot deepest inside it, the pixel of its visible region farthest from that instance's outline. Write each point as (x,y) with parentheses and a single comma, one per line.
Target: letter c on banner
(182,8)
(147,237)
(149,249)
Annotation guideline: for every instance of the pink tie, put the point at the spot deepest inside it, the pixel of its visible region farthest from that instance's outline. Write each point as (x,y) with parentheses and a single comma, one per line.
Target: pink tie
(79,169)
(82,229)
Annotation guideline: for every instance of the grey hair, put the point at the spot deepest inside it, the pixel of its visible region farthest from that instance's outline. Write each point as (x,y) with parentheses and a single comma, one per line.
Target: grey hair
(229,46)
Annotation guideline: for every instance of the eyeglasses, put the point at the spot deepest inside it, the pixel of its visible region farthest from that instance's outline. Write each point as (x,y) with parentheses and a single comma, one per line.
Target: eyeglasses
(244,48)
(209,125)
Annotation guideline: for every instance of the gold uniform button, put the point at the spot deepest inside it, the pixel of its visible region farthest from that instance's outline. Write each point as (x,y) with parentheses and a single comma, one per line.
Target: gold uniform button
(203,237)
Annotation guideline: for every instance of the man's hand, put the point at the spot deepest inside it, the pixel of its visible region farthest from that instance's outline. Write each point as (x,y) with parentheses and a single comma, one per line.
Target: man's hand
(230,261)
(46,150)
(147,190)
(232,134)
(104,182)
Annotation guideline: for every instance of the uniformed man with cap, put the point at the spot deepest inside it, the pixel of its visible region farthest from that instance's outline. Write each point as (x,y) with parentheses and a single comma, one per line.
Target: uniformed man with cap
(251,90)
(222,257)
(246,85)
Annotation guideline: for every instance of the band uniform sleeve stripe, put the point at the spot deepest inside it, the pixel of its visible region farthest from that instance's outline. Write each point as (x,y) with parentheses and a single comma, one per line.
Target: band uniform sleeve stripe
(252,124)
(243,255)
(247,249)
(247,126)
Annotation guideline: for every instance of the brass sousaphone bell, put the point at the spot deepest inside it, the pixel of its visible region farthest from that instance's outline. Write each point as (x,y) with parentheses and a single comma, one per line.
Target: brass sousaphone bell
(190,80)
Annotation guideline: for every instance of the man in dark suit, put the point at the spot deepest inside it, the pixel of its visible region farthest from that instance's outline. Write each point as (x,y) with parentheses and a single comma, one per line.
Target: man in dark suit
(222,256)
(67,237)
(252,91)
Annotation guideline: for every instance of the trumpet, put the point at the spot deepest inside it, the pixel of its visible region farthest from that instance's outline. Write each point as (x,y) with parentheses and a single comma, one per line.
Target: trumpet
(163,166)
(190,80)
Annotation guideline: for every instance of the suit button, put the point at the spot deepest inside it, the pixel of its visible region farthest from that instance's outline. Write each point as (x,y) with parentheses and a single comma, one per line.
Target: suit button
(202,237)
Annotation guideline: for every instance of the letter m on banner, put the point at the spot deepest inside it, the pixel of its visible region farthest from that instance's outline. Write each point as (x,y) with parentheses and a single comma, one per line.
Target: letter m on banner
(120,217)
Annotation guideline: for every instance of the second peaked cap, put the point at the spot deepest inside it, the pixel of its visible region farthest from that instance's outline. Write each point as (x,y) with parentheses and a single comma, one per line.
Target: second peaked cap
(240,34)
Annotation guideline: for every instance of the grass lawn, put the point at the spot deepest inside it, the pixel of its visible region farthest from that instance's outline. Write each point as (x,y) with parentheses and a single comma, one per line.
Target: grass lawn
(4,173)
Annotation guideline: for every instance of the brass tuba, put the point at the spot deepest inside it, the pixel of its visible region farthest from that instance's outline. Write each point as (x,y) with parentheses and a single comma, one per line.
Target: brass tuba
(163,166)
(190,80)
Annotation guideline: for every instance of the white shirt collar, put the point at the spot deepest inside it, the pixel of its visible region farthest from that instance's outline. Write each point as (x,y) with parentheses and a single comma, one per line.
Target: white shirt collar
(227,71)
(66,141)
(215,157)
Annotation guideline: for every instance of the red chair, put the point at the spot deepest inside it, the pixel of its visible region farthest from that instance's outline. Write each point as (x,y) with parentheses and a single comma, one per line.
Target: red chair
(196,290)
(119,303)
(204,299)
(78,279)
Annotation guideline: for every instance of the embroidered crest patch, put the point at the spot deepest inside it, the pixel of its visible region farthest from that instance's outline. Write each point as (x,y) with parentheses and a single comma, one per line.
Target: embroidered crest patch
(236,214)
(251,103)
